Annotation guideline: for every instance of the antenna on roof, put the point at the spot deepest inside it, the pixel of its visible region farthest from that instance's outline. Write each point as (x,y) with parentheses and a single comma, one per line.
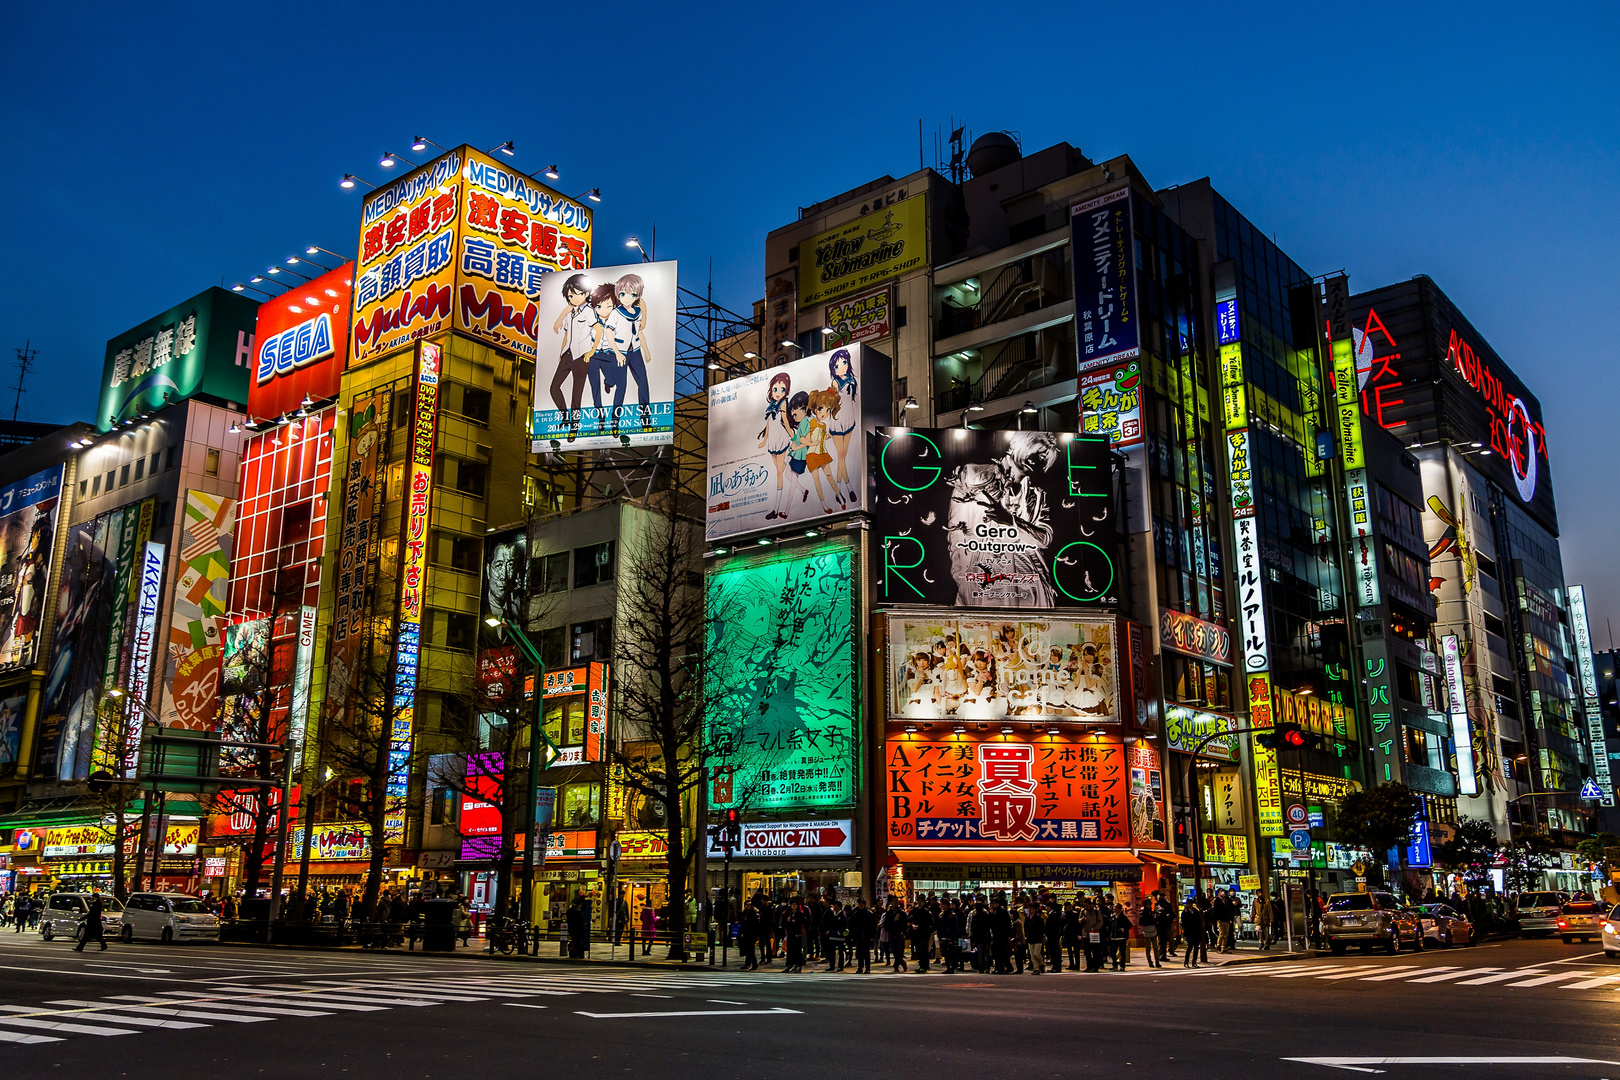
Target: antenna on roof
(25,364)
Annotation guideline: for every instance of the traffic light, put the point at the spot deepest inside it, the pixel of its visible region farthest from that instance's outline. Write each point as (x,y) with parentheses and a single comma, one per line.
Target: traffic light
(1288,735)
(731,830)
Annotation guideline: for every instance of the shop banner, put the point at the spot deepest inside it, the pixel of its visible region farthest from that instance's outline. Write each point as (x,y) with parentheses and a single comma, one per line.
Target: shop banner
(611,329)
(1105,300)
(479,822)
(860,318)
(1111,404)
(858,254)
(334,842)
(1147,794)
(302,344)
(997,519)
(1195,637)
(197,617)
(12,710)
(142,649)
(780,839)
(1051,669)
(69,703)
(27,538)
(1185,728)
(202,346)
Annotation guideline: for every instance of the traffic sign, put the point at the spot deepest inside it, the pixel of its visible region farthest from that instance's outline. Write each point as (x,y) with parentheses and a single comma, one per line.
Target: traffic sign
(1301,839)
(1297,816)
(1590,790)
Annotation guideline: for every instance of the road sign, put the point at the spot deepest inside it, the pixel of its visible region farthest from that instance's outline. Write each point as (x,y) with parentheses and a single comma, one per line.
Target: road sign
(1301,839)
(1590,790)
(1297,817)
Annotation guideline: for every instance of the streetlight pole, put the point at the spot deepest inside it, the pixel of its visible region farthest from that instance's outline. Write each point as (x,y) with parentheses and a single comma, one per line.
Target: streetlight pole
(537,732)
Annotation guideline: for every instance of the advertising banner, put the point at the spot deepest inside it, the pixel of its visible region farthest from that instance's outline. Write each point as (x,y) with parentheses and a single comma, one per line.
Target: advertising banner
(1185,728)
(1105,300)
(27,538)
(779,839)
(72,692)
(407,269)
(197,618)
(1591,705)
(1195,637)
(246,667)
(302,344)
(1267,783)
(781,318)
(993,669)
(11,723)
(1220,848)
(480,819)
(1111,404)
(359,547)
(858,254)
(1251,602)
(612,329)
(782,681)
(1147,794)
(1003,519)
(204,345)
(860,318)
(787,444)
(979,791)
(333,842)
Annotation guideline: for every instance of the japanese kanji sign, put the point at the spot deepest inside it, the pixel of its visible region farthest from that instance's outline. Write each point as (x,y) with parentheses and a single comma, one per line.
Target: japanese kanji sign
(204,345)
(947,790)
(1111,404)
(1105,301)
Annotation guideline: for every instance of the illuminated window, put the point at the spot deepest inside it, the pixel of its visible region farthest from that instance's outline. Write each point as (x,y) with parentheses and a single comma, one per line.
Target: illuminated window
(211,463)
(281,517)
(593,565)
(579,804)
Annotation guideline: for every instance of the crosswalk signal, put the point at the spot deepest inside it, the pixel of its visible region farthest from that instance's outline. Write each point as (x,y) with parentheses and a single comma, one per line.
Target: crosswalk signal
(1288,735)
(731,830)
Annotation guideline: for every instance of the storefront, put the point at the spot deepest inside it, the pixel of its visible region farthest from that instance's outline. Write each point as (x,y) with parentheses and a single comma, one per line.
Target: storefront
(780,860)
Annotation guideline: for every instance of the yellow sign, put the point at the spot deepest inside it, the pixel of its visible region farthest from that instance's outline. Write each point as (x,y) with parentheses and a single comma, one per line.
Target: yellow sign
(1248,882)
(1316,715)
(1234,400)
(642,845)
(864,252)
(1267,785)
(461,241)
(1228,799)
(1221,848)
(1320,788)
(1349,402)
(617,797)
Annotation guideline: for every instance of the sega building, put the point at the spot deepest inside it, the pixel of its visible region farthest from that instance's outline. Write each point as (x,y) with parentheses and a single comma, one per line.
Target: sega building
(1490,520)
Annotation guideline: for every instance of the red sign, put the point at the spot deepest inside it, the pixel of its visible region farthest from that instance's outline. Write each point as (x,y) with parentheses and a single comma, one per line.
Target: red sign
(301,345)
(979,790)
(592,680)
(480,820)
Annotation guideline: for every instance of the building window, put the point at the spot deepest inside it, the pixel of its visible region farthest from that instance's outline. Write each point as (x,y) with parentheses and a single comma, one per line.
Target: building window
(463,553)
(140,467)
(444,807)
(591,641)
(123,476)
(579,804)
(548,573)
(211,463)
(475,405)
(112,479)
(460,631)
(154,466)
(554,646)
(593,565)
(84,486)
(174,452)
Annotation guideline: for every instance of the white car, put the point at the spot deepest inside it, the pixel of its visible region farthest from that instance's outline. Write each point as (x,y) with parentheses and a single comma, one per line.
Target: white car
(1611,933)
(1538,913)
(64,914)
(168,917)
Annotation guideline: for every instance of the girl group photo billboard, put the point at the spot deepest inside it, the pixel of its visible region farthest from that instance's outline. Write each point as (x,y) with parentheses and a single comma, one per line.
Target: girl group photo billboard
(994,519)
(787,445)
(605,358)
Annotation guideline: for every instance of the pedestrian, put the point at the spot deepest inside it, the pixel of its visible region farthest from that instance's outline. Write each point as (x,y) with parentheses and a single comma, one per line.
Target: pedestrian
(649,926)
(1225,913)
(24,911)
(1020,939)
(1122,937)
(1148,926)
(793,931)
(835,929)
(1279,919)
(1192,932)
(621,919)
(1035,934)
(948,927)
(1092,930)
(92,925)
(1000,938)
(863,929)
(1164,921)
(1073,929)
(920,923)
(894,935)
(1260,915)
(747,935)
(1207,923)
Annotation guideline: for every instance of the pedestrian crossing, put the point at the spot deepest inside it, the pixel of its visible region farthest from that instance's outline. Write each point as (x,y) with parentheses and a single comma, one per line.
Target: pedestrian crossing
(1513,978)
(115,1015)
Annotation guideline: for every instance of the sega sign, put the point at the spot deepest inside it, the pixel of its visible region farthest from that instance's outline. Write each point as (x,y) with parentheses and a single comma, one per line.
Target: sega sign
(303,344)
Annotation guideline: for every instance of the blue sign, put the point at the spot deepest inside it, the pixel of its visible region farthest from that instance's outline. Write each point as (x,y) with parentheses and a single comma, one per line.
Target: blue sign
(1301,839)
(1417,852)
(1590,790)
(1226,321)
(1317,819)
(1105,304)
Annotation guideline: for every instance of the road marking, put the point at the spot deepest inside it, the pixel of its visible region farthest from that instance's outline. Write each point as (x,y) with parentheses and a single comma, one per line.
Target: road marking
(1574,959)
(285,997)
(524,1005)
(1360,1064)
(19,1037)
(1451,975)
(1499,977)
(700,1012)
(1402,972)
(1590,984)
(1308,972)
(1545,979)
(722,1001)
(83,971)
(153,1010)
(72,1029)
(1360,971)
(666,996)
(211,1003)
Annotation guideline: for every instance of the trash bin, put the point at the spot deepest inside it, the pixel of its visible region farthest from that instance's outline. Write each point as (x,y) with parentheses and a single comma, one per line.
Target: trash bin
(439,925)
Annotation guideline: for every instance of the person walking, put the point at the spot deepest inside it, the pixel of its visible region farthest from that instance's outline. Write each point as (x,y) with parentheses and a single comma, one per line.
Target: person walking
(1225,915)
(92,925)
(621,920)
(920,923)
(1192,932)
(747,934)
(1035,934)
(1207,922)
(1020,939)
(835,932)
(1091,934)
(1260,914)
(1164,921)
(862,930)
(1148,926)
(948,926)
(1000,938)
(894,935)
(649,926)
(24,909)
(1122,937)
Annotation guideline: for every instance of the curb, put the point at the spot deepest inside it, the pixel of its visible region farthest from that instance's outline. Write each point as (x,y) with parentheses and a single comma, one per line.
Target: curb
(479,954)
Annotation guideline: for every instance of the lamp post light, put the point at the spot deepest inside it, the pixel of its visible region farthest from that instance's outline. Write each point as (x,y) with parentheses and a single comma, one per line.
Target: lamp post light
(537,732)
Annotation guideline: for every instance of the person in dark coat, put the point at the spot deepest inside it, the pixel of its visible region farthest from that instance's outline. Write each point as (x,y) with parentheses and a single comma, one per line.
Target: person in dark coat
(1035,936)
(1122,938)
(747,935)
(1073,924)
(949,928)
(979,936)
(863,931)
(894,927)
(920,924)
(1054,937)
(1001,935)
(92,925)
(1192,932)
(835,934)
(794,929)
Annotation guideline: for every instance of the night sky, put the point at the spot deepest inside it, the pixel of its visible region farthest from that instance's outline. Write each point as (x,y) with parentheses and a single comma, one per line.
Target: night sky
(151,153)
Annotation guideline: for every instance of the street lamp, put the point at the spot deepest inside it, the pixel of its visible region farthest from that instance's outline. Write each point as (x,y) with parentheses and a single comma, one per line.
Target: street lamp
(537,732)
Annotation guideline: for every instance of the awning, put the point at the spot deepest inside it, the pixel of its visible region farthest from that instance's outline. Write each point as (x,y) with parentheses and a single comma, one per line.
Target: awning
(1020,865)
(1168,858)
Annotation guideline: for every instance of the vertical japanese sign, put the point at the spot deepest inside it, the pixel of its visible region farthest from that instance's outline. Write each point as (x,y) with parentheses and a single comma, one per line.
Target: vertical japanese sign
(303,663)
(197,615)
(596,711)
(358,546)
(141,651)
(412,584)
(1352,450)
(1591,706)
(1457,711)
(28,522)
(1105,301)
(1267,781)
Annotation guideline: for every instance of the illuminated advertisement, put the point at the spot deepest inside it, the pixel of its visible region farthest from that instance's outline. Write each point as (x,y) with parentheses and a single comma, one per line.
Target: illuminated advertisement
(1021,519)
(28,521)
(1267,782)
(480,819)
(1111,404)
(1329,719)
(1591,707)
(1457,711)
(1147,794)
(197,616)
(338,841)
(360,544)
(888,242)
(778,839)
(782,681)
(1221,848)
(1105,300)
(461,241)
(144,645)
(203,346)
(969,790)
(1195,637)
(302,344)
(993,669)
(583,723)
(1185,728)
(247,666)
(860,318)
(787,444)
(412,583)
(611,330)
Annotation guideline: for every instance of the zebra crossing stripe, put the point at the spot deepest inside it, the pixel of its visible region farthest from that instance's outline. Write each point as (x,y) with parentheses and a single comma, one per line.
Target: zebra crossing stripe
(337,994)
(59,1025)
(1452,975)
(300,999)
(431,997)
(1500,976)
(1591,984)
(1308,972)
(154,1010)
(127,1021)
(225,1005)
(1401,973)
(1545,979)
(19,1037)
(1360,971)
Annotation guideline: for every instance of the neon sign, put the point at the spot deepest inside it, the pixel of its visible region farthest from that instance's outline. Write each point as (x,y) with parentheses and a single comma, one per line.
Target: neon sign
(1515,435)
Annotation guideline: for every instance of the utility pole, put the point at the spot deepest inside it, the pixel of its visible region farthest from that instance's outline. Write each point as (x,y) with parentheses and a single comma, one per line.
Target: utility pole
(25,364)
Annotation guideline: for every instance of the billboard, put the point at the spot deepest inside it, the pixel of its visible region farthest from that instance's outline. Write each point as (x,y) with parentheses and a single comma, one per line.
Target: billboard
(859,254)
(976,791)
(1185,729)
(12,710)
(479,822)
(780,839)
(1107,327)
(339,841)
(782,680)
(359,547)
(463,242)
(611,329)
(204,345)
(1021,519)
(506,584)
(75,672)
(1111,404)
(994,669)
(197,616)
(865,317)
(787,445)
(28,519)
(302,344)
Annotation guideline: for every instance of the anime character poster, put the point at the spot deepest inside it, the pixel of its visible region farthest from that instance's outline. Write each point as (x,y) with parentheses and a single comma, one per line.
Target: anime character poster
(78,660)
(1041,670)
(787,444)
(605,362)
(27,536)
(1002,519)
(781,686)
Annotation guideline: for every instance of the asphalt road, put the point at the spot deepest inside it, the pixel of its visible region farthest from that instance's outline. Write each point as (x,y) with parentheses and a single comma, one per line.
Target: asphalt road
(142,1011)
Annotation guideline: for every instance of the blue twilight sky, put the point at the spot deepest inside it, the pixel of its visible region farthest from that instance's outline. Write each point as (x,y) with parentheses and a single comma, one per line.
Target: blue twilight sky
(153,150)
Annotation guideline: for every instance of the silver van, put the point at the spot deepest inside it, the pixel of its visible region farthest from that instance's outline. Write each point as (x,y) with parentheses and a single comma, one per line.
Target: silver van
(1538,912)
(168,917)
(64,912)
